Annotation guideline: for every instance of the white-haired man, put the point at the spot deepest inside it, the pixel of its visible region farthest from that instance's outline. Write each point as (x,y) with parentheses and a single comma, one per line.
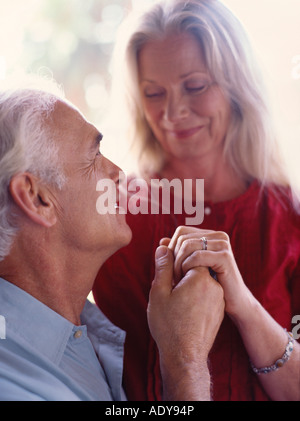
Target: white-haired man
(57,345)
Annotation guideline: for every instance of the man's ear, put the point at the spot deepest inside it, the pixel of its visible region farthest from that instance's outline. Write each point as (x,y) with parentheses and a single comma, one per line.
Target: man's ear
(33,199)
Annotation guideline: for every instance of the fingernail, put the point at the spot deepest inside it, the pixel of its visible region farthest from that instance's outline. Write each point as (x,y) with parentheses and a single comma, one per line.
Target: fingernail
(161,251)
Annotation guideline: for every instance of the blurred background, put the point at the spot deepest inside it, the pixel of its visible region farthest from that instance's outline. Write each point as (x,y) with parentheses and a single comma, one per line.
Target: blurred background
(73,40)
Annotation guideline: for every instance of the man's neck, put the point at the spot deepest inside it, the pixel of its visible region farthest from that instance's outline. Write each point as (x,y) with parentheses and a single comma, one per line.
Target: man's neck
(62,283)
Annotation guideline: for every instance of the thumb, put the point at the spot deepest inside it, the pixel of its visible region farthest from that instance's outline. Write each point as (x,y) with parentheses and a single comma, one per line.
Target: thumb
(165,241)
(164,265)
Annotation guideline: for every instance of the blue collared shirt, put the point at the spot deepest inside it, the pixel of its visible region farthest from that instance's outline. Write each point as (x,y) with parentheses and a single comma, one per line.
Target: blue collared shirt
(46,357)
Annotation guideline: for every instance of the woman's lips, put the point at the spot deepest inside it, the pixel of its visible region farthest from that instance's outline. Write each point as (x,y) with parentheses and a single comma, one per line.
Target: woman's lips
(181,134)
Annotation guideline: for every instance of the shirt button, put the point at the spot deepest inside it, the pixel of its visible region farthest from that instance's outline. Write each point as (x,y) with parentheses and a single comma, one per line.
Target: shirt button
(207,210)
(77,334)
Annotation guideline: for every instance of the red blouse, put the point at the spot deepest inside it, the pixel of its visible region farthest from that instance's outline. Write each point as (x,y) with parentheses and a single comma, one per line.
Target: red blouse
(265,237)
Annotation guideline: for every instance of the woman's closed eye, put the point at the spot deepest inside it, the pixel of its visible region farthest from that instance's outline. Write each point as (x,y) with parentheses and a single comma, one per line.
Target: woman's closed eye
(197,88)
(153,92)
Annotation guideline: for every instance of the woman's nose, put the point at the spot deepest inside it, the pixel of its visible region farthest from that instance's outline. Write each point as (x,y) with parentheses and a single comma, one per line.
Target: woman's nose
(176,108)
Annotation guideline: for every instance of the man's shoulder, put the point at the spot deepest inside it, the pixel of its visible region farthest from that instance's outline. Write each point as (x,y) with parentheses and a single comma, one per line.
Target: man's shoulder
(25,375)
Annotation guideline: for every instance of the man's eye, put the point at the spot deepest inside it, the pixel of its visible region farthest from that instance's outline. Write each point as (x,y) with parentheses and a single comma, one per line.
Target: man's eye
(98,140)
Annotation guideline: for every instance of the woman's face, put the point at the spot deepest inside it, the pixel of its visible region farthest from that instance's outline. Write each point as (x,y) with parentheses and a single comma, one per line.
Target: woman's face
(185,108)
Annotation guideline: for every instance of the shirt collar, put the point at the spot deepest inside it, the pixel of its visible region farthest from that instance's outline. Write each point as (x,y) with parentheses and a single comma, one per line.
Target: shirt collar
(100,326)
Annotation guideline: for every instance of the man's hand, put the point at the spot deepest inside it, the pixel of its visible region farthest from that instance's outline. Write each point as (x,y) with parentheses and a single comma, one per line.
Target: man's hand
(184,320)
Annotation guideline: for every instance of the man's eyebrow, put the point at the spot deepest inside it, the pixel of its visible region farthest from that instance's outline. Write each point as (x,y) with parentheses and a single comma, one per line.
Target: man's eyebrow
(99,137)
(94,141)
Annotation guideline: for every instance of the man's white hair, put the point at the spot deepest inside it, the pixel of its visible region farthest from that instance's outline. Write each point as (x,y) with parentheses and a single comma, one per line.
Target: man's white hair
(26,142)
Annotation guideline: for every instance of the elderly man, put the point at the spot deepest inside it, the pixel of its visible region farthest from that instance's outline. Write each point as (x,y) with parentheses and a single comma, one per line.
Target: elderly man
(57,345)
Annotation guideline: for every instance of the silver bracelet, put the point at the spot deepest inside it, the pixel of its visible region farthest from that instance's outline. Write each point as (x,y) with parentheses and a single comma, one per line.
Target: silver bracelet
(281,361)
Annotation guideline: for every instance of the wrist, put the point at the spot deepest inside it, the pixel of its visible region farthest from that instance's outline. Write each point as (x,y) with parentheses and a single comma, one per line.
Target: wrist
(280,361)
(185,353)
(185,380)
(242,311)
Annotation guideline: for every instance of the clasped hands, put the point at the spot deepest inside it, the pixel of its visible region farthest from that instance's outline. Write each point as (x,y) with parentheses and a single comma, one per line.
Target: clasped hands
(186,305)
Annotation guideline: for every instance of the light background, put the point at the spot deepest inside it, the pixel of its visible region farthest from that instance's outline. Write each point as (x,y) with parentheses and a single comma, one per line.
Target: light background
(73,40)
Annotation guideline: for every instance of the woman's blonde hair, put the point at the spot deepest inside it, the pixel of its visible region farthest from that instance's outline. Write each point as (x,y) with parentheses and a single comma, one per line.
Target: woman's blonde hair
(250,146)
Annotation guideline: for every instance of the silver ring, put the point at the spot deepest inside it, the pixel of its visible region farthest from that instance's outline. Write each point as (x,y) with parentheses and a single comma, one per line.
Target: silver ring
(204,243)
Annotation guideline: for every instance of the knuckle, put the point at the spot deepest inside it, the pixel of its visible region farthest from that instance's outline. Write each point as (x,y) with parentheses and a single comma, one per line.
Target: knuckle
(223,236)
(225,254)
(193,260)
(180,230)
(224,245)
(185,244)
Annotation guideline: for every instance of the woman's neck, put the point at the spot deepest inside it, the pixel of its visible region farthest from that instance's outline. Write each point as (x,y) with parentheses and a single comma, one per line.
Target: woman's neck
(220,181)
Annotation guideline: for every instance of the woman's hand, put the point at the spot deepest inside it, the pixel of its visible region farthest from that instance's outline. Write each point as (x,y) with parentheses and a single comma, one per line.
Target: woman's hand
(263,337)
(187,246)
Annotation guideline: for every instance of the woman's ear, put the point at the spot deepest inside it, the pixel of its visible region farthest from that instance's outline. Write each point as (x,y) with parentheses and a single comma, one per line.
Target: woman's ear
(33,199)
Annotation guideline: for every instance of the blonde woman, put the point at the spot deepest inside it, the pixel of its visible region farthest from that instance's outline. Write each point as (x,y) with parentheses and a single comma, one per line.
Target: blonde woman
(196,109)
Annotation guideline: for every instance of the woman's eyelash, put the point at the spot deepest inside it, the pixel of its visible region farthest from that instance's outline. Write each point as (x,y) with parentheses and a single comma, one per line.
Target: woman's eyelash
(154,95)
(200,88)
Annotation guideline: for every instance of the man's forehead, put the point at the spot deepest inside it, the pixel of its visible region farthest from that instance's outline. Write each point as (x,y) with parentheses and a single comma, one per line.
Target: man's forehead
(65,116)
(70,128)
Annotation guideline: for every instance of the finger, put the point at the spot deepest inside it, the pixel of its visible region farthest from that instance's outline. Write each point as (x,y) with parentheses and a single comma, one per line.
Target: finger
(164,262)
(185,246)
(191,245)
(182,231)
(214,260)
(198,234)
